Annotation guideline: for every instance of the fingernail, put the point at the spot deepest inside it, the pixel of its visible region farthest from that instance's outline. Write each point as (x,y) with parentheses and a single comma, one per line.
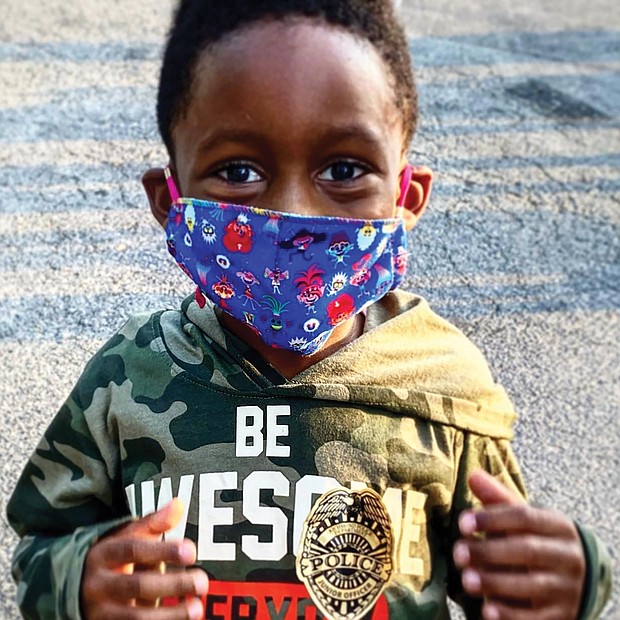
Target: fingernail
(201,583)
(186,554)
(490,612)
(194,609)
(461,554)
(467,523)
(471,580)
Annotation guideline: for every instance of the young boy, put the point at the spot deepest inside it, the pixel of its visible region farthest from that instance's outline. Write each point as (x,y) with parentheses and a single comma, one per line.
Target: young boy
(327,435)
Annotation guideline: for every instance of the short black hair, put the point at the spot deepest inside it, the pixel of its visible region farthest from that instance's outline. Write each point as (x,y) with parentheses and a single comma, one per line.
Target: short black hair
(199,24)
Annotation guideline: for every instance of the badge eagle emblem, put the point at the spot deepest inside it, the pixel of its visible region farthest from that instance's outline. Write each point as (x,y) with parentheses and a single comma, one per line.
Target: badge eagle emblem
(345,559)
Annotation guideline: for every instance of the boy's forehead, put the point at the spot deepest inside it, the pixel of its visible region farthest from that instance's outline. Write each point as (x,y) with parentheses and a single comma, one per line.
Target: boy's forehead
(299,74)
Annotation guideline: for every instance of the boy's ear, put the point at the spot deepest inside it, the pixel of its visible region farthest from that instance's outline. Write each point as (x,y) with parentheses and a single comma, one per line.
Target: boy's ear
(418,195)
(154,183)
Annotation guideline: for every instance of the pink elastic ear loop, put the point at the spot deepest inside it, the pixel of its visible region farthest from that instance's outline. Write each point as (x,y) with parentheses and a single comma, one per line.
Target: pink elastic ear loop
(405,184)
(172,188)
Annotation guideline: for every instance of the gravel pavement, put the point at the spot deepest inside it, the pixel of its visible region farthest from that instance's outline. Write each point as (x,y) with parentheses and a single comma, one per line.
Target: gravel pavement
(520,246)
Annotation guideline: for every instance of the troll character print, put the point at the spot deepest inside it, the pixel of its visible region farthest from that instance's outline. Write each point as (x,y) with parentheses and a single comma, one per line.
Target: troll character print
(277,276)
(271,227)
(339,248)
(249,280)
(384,280)
(224,289)
(238,235)
(203,270)
(301,243)
(208,231)
(361,275)
(399,261)
(340,309)
(176,213)
(190,217)
(366,234)
(338,282)
(277,308)
(310,286)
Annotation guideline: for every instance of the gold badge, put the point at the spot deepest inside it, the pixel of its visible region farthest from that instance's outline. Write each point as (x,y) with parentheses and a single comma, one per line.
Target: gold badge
(345,559)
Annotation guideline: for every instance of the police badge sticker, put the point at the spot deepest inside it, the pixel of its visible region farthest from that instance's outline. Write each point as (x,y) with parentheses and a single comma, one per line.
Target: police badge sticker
(345,558)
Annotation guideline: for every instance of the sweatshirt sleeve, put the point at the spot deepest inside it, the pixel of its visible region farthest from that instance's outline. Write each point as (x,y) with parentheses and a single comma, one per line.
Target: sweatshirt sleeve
(69,494)
(597,588)
(496,457)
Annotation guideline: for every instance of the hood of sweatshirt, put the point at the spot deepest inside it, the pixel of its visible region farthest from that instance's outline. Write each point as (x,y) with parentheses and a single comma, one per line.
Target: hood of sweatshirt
(408,360)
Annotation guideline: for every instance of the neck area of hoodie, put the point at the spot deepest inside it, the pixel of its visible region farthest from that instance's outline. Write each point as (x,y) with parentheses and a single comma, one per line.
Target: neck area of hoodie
(408,360)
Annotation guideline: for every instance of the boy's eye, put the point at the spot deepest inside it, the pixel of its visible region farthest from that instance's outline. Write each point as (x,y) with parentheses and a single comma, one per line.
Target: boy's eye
(342,171)
(239,173)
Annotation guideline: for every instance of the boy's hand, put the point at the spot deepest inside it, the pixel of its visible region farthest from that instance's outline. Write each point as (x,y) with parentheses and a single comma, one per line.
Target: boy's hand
(111,588)
(529,565)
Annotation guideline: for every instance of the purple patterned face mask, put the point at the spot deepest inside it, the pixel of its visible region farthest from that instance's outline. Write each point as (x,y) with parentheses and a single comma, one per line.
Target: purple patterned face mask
(291,278)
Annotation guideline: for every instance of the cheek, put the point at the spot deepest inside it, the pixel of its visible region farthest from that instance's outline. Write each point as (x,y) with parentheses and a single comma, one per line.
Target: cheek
(381,201)
(380,205)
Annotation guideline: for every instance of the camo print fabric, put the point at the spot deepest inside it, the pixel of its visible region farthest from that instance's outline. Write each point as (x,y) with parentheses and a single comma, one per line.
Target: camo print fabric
(173,405)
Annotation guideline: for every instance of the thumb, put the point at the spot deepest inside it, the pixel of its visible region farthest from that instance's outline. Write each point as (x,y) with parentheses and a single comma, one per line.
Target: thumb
(156,523)
(489,490)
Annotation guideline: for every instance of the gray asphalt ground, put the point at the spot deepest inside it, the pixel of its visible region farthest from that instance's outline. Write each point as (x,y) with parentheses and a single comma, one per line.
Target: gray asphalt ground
(520,247)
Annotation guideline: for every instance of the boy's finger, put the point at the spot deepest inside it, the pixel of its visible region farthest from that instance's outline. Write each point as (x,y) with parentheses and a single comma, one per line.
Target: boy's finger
(158,522)
(491,491)
(518,519)
(149,586)
(537,588)
(531,551)
(115,552)
(191,609)
(496,610)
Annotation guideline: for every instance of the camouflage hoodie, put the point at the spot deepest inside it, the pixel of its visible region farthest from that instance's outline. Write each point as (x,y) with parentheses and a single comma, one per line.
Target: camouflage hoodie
(173,405)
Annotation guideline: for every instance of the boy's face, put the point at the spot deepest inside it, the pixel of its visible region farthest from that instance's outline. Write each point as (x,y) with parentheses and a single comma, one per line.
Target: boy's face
(293,116)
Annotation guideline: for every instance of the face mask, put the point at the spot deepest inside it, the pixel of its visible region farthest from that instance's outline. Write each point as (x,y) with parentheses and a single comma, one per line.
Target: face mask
(291,278)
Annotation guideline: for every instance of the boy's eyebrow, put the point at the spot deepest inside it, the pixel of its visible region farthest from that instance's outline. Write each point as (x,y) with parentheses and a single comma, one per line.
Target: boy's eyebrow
(231,134)
(322,134)
(362,133)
